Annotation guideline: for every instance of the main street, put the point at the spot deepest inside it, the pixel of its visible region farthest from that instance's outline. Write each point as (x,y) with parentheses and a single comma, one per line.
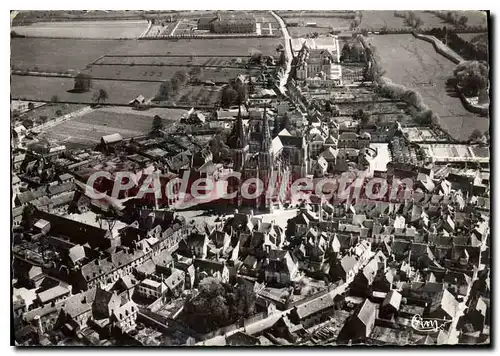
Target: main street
(288,52)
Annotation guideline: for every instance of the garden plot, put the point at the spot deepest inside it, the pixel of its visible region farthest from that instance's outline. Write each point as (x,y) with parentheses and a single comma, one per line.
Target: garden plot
(88,129)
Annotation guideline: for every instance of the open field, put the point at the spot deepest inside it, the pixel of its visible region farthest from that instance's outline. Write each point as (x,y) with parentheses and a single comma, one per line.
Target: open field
(84,29)
(88,129)
(377,19)
(415,64)
(58,54)
(43,88)
(175,60)
(229,47)
(155,73)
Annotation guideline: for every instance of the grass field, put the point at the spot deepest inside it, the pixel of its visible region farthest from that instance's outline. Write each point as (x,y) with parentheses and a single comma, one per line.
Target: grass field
(175,60)
(43,88)
(415,64)
(58,54)
(229,47)
(85,29)
(154,73)
(88,129)
(377,19)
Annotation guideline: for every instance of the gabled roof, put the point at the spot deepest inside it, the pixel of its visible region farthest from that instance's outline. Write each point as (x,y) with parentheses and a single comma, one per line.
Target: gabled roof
(116,137)
(393,299)
(76,253)
(367,313)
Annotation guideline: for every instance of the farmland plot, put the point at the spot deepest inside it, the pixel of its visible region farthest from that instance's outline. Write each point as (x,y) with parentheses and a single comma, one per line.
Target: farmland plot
(84,29)
(88,129)
(43,88)
(159,74)
(208,46)
(174,60)
(58,54)
(415,64)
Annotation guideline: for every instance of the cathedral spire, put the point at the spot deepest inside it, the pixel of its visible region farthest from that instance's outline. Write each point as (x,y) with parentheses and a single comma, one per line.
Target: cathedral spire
(265,143)
(238,138)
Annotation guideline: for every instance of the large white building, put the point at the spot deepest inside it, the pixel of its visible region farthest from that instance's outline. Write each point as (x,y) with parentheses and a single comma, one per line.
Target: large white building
(318,61)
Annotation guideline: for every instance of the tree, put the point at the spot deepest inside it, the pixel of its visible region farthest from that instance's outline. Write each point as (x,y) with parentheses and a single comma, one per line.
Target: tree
(276,127)
(31,106)
(424,117)
(256,57)
(100,95)
(472,76)
(285,122)
(157,125)
(475,135)
(462,21)
(83,82)
(229,97)
(417,23)
(195,73)
(362,116)
(54,99)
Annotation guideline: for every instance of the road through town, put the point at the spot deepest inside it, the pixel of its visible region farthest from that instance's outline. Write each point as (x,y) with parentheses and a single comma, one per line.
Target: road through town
(288,52)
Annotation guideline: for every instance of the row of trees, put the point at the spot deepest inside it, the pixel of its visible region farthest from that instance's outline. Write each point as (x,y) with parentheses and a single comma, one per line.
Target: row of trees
(473,50)
(411,18)
(168,89)
(357,20)
(453,17)
(218,304)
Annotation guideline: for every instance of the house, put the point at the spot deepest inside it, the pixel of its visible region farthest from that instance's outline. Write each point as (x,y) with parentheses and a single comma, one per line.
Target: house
(446,307)
(242,339)
(76,255)
(390,305)
(346,269)
(314,311)
(42,226)
(360,325)
(281,268)
(149,288)
(54,294)
(363,280)
(195,245)
(140,100)
(209,268)
(175,283)
(109,141)
(77,310)
(124,316)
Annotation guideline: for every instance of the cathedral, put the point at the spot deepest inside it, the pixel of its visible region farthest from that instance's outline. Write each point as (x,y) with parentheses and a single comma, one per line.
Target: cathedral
(257,156)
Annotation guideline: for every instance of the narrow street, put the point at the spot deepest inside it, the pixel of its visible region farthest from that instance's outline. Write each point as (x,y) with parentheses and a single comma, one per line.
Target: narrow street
(288,52)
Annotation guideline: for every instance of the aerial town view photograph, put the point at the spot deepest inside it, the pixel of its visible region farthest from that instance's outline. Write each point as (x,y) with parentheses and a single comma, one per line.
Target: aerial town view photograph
(250,178)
